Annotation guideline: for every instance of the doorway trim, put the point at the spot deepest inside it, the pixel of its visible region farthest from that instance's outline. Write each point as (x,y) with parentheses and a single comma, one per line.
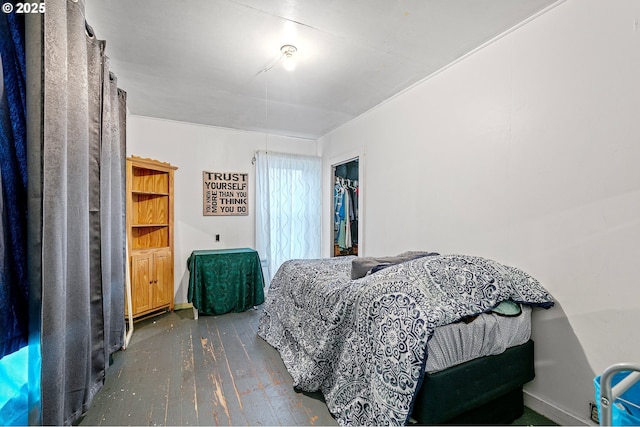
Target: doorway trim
(336,161)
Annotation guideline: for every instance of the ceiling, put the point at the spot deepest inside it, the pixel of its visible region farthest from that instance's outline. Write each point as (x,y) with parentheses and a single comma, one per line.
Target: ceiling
(206,61)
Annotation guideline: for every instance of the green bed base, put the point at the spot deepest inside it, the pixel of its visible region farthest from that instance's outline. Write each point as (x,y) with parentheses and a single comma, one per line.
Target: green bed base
(487,390)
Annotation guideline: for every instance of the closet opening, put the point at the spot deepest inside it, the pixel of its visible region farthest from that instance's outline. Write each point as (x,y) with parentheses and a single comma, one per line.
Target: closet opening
(346,204)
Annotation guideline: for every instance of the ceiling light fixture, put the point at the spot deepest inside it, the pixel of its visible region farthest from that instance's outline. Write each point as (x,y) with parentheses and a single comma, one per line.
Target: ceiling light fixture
(287,56)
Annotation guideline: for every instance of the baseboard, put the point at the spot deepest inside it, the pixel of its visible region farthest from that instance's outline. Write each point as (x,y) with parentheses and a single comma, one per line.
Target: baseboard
(555,414)
(183,306)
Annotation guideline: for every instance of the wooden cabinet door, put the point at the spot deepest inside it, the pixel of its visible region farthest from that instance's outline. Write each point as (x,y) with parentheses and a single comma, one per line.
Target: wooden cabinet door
(162,283)
(141,277)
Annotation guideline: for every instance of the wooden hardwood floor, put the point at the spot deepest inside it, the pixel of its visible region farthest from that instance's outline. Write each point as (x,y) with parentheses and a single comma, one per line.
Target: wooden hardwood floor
(214,370)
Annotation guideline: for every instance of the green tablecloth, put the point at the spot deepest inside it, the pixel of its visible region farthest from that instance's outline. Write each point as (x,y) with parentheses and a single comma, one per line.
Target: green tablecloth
(225,280)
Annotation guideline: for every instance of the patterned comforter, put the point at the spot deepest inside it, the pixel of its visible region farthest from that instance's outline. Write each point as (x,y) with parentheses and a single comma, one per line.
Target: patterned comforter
(363,342)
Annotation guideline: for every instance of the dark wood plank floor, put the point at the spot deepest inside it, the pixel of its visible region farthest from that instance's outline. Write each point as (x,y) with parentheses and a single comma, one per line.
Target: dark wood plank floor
(211,371)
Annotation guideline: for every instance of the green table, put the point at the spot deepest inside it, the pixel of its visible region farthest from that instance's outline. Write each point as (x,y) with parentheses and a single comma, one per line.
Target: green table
(225,280)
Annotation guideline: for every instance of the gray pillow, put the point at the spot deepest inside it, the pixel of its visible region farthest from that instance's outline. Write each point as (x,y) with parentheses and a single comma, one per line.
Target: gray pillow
(362,265)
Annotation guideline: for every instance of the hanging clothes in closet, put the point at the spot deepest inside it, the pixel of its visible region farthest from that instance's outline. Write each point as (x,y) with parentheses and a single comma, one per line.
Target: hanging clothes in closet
(345,216)
(345,208)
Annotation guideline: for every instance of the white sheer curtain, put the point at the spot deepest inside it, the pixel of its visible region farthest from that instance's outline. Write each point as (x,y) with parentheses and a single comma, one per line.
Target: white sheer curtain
(288,216)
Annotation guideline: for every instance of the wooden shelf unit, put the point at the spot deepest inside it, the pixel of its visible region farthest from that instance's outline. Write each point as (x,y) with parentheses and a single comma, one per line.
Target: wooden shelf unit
(150,235)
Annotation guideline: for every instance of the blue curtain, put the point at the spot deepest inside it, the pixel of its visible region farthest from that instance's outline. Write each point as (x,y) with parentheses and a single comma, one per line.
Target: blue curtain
(13,167)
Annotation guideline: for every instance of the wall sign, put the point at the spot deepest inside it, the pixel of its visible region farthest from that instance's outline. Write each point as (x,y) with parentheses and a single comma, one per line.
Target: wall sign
(225,193)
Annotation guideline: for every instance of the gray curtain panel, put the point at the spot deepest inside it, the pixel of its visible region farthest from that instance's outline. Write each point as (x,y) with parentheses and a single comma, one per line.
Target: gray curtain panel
(82,193)
(112,196)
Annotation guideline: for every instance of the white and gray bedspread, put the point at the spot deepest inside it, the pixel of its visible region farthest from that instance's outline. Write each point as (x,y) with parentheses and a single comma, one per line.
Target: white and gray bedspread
(363,342)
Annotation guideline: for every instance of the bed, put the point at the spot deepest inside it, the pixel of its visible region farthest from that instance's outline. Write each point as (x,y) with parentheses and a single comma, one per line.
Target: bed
(364,341)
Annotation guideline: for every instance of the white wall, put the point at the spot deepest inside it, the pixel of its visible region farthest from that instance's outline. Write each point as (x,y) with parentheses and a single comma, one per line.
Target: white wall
(194,149)
(528,152)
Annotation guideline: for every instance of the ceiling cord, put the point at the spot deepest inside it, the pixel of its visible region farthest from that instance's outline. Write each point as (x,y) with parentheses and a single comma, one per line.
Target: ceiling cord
(266,103)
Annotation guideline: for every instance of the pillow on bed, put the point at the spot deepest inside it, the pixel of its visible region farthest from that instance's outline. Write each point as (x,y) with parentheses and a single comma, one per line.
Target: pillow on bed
(361,266)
